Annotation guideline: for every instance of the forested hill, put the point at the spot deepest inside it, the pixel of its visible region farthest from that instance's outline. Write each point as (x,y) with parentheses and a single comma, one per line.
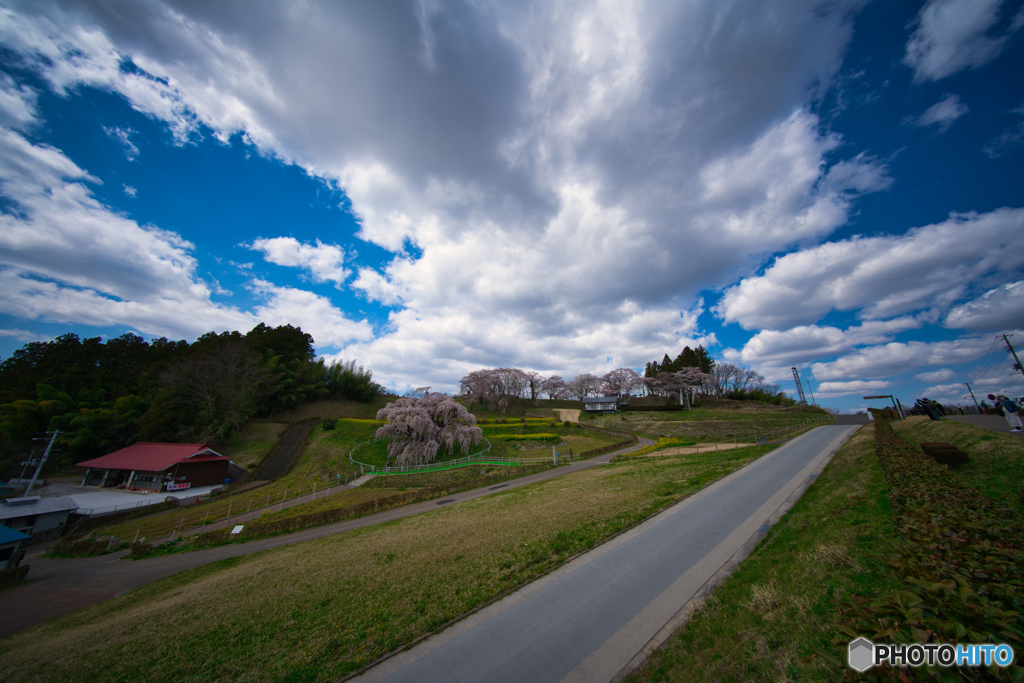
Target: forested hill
(103,396)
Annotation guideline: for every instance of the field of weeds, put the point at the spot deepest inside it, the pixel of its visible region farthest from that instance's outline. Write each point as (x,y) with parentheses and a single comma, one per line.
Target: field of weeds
(706,424)
(318,610)
(997,460)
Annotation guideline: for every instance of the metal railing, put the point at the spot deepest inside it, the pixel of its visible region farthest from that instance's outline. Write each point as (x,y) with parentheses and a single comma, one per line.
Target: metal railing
(478,458)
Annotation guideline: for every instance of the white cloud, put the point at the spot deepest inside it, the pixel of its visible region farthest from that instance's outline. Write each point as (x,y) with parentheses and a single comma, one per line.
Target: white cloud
(323,261)
(952,35)
(25,336)
(942,375)
(123,136)
(897,357)
(17,104)
(805,343)
(927,267)
(64,257)
(942,114)
(130,191)
(834,389)
(315,314)
(947,393)
(997,309)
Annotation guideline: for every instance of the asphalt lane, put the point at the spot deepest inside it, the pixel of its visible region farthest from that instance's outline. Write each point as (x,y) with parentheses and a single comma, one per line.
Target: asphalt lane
(589,619)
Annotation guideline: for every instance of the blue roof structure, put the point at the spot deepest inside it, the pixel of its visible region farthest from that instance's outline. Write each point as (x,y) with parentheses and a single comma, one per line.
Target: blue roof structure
(9,535)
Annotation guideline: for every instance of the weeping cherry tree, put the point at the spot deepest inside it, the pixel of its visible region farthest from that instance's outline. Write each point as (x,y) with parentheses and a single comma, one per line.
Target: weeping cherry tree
(420,427)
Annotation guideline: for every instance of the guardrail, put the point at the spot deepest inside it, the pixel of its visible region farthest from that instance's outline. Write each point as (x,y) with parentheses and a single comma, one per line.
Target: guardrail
(783,433)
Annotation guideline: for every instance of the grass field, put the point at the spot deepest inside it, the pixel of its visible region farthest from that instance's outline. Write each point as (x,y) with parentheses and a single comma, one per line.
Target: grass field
(769,619)
(317,610)
(997,460)
(707,424)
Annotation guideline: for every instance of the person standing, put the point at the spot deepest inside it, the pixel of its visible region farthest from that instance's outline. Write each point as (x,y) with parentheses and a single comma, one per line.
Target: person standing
(1009,409)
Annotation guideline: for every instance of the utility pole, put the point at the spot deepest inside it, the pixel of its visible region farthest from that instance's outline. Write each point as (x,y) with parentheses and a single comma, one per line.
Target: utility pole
(1017,365)
(53,440)
(799,387)
(973,397)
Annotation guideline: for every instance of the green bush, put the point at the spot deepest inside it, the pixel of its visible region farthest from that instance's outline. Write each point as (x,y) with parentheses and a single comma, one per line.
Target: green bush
(328,424)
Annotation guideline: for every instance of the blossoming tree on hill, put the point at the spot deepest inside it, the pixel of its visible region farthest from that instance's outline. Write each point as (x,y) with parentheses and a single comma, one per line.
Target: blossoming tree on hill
(421,427)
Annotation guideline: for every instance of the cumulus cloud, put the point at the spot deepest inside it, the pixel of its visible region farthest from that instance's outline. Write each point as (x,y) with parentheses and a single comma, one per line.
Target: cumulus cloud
(926,267)
(997,309)
(64,257)
(952,35)
(805,343)
(890,359)
(17,104)
(526,163)
(942,114)
(24,336)
(947,393)
(323,261)
(943,375)
(315,314)
(834,389)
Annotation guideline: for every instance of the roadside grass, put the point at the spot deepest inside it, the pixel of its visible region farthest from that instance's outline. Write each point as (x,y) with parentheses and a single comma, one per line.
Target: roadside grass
(997,460)
(248,446)
(318,610)
(707,424)
(767,620)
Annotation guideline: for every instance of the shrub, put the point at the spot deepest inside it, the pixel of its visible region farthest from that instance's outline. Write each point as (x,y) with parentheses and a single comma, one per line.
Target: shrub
(328,423)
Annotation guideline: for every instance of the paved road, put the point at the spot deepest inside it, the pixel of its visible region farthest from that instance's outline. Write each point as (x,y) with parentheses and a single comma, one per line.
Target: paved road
(62,586)
(588,620)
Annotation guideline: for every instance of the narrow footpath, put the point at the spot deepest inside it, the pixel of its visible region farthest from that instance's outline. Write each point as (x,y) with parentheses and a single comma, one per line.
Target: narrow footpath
(595,618)
(62,586)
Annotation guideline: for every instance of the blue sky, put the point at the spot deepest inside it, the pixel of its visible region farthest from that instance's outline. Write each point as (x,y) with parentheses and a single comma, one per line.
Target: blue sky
(434,187)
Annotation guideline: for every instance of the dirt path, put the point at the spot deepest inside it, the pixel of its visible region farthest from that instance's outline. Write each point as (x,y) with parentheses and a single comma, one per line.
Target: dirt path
(699,448)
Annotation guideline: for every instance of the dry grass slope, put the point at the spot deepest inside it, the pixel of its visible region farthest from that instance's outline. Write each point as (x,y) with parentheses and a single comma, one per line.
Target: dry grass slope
(317,610)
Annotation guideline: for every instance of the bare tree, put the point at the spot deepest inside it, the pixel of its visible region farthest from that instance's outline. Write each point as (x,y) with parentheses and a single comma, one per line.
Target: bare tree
(584,385)
(420,427)
(556,387)
(621,382)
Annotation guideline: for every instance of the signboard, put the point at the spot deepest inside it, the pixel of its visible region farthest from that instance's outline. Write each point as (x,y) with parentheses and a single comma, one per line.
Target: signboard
(237,529)
(870,397)
(178,487)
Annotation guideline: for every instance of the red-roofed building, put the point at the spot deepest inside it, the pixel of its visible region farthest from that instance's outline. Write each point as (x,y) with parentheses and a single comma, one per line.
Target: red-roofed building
(158,467)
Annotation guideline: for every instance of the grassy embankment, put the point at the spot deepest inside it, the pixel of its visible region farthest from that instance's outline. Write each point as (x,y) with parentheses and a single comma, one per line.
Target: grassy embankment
(775,616)
(326,457)
(317,610)
(997,460)
(741,422)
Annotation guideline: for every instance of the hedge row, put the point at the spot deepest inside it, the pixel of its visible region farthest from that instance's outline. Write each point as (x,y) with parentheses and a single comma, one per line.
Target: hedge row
(319,518)
(960,558)
(649,409)
(605,449)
